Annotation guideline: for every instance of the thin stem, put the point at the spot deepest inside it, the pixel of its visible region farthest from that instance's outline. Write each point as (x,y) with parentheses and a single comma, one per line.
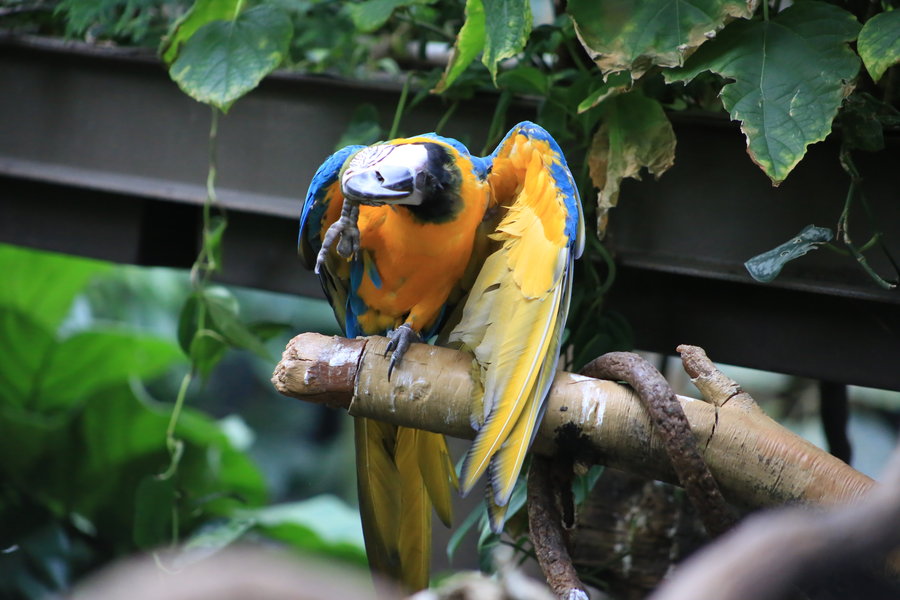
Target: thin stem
(406,17)
(765,6)
(211,197)
(401,104)
(843,224)
(444,119)
(572,49)
(497,121)
(173,444)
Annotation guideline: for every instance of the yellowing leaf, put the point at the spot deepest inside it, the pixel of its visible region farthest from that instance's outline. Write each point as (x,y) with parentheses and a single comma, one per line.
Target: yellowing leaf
(507,26)
(623,35)
(634,134)
(879,43)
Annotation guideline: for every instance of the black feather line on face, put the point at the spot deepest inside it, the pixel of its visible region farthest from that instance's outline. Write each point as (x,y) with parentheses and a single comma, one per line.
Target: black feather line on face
(440,185)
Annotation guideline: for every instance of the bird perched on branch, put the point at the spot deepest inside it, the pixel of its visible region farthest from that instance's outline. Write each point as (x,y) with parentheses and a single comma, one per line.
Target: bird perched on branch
(413,238)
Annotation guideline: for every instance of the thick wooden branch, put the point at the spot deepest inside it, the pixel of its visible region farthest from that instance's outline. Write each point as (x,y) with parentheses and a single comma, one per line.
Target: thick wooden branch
(755,461)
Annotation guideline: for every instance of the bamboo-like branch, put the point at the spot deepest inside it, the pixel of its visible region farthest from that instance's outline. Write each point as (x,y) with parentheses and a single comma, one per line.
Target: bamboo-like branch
(755,461)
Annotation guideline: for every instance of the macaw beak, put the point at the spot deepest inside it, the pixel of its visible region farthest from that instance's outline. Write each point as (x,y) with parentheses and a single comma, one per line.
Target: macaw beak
(387,184)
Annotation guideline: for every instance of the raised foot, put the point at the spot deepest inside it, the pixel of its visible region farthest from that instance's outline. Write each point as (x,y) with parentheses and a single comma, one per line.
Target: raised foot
(344,228)
(400,339)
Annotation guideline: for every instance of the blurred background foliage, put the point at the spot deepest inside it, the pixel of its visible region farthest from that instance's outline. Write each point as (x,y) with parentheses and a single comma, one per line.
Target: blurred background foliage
(90,367)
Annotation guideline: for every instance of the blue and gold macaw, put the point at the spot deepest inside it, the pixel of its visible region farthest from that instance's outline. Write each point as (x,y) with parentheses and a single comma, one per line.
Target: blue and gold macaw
(435,241)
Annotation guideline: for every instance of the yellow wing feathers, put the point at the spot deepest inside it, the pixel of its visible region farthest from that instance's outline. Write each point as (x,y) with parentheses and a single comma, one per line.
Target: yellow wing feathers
(513,318)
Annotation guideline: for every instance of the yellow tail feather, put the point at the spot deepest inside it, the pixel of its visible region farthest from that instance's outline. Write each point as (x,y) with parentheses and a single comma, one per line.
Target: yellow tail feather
(379,494)
(437,470)
(400,472)
(414,533)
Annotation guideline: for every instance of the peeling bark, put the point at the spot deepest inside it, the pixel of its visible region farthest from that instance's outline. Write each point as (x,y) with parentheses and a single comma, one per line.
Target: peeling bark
(547,534)
(756,461)
(670,422)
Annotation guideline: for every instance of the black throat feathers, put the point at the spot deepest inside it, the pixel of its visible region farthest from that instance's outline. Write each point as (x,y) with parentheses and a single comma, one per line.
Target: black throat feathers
(440,184)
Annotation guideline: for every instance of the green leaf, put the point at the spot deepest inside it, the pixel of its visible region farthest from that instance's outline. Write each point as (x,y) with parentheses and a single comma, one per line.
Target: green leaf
(524,80)
(201,13)
(27,345)
(93,360)
(879,43)
(224,60)
(206,350)
(188,321)
(622,35)
(154,501)
(469,43)
(789,74)
(860,123)
(266,330)
(363,128)
(120,441)
(212,240)
(210,539)
(324,524)
(369,15)
(507,24)
(43,284)
(634,134)
(460,531)
(766,266)
(614,84)
(223,314)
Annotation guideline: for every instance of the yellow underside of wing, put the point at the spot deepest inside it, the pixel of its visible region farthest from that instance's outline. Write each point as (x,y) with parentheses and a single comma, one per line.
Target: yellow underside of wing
(513,318)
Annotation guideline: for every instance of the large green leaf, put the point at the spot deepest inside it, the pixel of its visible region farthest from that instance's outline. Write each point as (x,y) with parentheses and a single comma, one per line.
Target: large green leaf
(43,284)
(789,76)
(121,442)
(634,134)
(469,43)
(201,13)
(369,15)
(224,60)
(623,35)
(507,25)
(25,347)
(879,43)
(324,524)
(92,360)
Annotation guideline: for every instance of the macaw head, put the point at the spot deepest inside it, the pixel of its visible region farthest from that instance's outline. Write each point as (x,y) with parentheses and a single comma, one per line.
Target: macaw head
(391,174)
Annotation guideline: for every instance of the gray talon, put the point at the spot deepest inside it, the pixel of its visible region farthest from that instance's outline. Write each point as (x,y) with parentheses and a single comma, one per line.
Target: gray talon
(344,228)
(400,340)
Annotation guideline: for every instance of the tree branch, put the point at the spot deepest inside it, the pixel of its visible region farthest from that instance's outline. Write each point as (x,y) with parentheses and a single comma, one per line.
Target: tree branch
(768,553)
(755,461)
(671,424)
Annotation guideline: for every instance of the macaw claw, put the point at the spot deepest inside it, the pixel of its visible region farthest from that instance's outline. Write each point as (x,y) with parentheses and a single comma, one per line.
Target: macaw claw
(400,339)
(344,228)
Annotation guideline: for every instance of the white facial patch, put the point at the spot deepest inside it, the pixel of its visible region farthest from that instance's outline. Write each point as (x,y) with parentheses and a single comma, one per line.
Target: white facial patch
(412,157)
